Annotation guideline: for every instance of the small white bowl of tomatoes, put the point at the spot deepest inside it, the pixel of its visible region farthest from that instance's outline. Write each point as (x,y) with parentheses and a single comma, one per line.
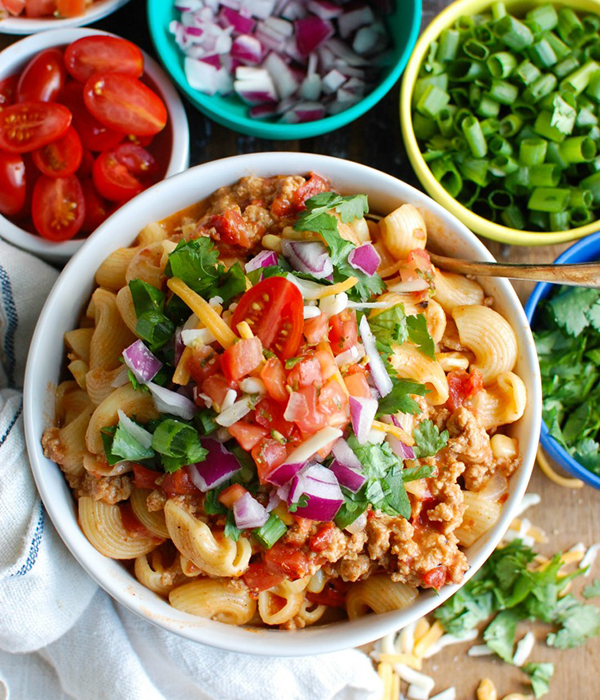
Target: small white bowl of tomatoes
(87,122)
(31,16)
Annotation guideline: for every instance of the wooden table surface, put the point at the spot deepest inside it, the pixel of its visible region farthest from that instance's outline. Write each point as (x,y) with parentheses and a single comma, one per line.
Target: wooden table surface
(568,516)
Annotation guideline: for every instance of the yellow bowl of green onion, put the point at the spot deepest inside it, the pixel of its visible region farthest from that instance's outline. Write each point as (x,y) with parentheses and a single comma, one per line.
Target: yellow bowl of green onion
(500,116)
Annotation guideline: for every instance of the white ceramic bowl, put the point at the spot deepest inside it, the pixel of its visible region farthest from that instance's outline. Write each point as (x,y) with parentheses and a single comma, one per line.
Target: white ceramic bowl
(69,296)
(32,25)
(14,58)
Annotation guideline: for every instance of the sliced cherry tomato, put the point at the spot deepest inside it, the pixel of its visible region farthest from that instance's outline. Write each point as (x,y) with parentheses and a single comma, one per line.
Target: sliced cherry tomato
(12,183)
(241,358)
(258,577)
(87,163)
(32,175)
(39,8)
(125,104)
(113,180)
(274,310)
(8,90)
(143,141)
(273,375)
(316,329)
(247,434)
(58,207)
(178,484)
(103,54)
(30,125)
(70,8)
(305,373)
(96,208)
(231,495)
(13,7)
(462,385)
(435,578)
(61,157)
(94,135)
(288,560)
(268,454)
(143,477)
(216,387)
(43,78)
(137,160)
(343,333)
(269,414)
(314,185)
(203,363)
(333,594)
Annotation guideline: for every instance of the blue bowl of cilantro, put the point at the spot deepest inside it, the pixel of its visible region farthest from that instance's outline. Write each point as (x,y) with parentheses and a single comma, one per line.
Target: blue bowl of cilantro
(566,326)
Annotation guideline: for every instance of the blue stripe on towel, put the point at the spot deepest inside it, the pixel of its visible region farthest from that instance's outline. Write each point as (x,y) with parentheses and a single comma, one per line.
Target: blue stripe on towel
(11,425)
(13,321)
(34,547)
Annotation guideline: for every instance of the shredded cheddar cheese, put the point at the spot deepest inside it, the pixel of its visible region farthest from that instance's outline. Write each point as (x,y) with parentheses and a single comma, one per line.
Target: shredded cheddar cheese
(433,634)
(544,464)
(337,288)
(406,659)
(394,430)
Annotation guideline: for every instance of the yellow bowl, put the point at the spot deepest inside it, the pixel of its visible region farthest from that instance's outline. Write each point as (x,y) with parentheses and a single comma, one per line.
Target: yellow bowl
(485,228)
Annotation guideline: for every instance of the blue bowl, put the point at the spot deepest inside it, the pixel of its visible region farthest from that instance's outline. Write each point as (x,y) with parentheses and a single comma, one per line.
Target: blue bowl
(585,250)
(403,24)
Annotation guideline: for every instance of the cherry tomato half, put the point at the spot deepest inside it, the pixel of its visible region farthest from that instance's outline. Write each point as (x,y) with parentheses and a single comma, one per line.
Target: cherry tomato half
(43,78)
(39,8)
(103,54)
(125,104)
(274,310)
(58,207)
(8,90)
(137,160)
(113,179)
(61,157)
(13,7)
(30,125)
(94,135)
(12,183)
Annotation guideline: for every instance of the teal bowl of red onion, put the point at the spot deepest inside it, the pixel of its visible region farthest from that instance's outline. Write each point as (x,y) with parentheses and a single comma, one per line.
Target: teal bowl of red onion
(284,69)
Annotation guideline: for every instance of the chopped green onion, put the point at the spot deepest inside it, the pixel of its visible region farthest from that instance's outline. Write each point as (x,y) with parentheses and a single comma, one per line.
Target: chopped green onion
(581,198)
(543,127)
(475,138)
(585,117)
(432,101)
(569,26)
(440,81)
(517,182)
(448,46)
(503,165)
(447,175)
(498,11)
(272,531)
(501,64)
(541,87)
(475,170)
(532,151)
(578,81)
(524,110)
(593,88)
(560,49)
(566,66)
(465,70)
(545,175)
(460,95)
(482,208)
(513,33)
(539,219)
(488,107)
(542,54)
(445,121)
(500,199)
(500,146)
(510,125)
(559,221)
(550,199)
(580,216)
(489,127)
(464,23)
(578,149)
(513,217)
(476,50)
(474,93)
(544,16)
(424,127)
(592,183)
(527,72)
(503,92)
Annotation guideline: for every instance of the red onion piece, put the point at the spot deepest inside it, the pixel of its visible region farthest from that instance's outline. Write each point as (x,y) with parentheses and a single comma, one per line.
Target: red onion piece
(365,258)
(308,256)
(347,477)
(284,473)
(141,362)
(136,431)
(311,32)
(240,23)
(201,75)
(254,85)
(304,112)
(302,454)
(401,450)
(274,501)
(324,494)
(167,401)
(362,414)
(282,76)
(379,373)
(344,454)
(263,111)
(249,513)
(333,81)
(265,258)
(324,9)
(350,21)
(218,466)
(247,49)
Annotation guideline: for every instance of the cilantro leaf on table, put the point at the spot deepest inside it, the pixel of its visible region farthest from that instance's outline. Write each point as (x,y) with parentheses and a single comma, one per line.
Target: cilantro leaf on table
(592,590)
(539,675)
(579,622)
(418,334)
(428,439)
(400,399)
(500,634)
(571,308)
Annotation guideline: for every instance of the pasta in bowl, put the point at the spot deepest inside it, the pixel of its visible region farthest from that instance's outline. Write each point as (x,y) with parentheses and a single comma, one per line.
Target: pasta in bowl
(281,415)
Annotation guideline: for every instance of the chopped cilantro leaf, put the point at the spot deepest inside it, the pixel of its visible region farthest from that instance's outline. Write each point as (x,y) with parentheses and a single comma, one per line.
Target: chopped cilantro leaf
(592,590)
(571,307)
(302,502)
(428,439)
(135,383)
(231,529)
(539,675)
(578,621)
(400,399)
(419,334)
(500,634)
(389,327)
(414,473)
(178,444)
(120,445)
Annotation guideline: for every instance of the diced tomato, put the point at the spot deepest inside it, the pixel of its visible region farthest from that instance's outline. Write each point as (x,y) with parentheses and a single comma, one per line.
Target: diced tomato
(268,455)
(231,495)
(273,375)
(216,387)
(13,7)
(203,363)
(70,8)
(435,578)
(61,157)
(58,207)
(418,266)
(357,385)
(333,401)
(231,228)
(178,484)
(241,358)
(131,522)
(39,8)
(322,537)
(314,185)
(281,207)
(462,385)
(247,434)
(327,361)
(316,329)
(259,578)
(333,594)
(307,372)
(287,560)
(143,477)
(313,420)
(269,414)
(343,333)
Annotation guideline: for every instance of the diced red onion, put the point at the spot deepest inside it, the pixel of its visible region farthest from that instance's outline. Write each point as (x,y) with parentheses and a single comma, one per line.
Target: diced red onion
(254,85)
(144,365)
(311,32)
(342,51)
(349,478)
(324,9)
(350,356)
(345,454)
(249,513)
(324,494)
(496,486)
(309,290)
(218,466)
(279,26)
(282,76)
(362,414)
(379,373)
(121,378)
(247,49)
(188,5)
(284,473)
(369,39)
(270,38)
(240,23)
(399,448)
(136,431)
(302,454)
(350,21)
(167,401)
(332,81)
(259,8)
(304,112)
(265,258)
(293,10)
(308,256)
(310,89)
(201,75)
(274,501)
(365,258)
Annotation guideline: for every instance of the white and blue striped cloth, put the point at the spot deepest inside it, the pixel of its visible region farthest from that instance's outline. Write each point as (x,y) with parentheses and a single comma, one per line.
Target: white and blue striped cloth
(63,639)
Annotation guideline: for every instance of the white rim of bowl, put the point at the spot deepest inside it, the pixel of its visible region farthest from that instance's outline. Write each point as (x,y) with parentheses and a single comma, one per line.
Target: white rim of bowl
(23,50)
(312,640)
(32,25)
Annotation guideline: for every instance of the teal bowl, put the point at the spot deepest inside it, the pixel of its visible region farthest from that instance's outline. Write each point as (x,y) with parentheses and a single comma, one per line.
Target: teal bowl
(403,25)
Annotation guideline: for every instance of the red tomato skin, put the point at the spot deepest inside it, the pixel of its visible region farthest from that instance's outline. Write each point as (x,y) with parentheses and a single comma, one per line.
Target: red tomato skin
(247,434)
(314,420)
(333,594)
(12,183)
(258,577)
(241,358)
(137,160)
(87,163)
(435,578)
(14,7)
(216,387)
(273,375)
(143,477)
(314,185)
(343,333)
(322,537)
(287,560)
(125,104)
(96,208)
(231,228)
(26,126)
(39,8)
(113,180)
(316,329)
(103,54)
(43,78)
(131,522)
(462,386)
(307,372)
(268,455)
(8,90)
(61,157)
(58,207)
(203,363)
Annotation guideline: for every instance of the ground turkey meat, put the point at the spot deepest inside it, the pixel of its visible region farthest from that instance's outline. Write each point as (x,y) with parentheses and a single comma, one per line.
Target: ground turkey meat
(443,487)
(353,569)
(109,489)
(470,444)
